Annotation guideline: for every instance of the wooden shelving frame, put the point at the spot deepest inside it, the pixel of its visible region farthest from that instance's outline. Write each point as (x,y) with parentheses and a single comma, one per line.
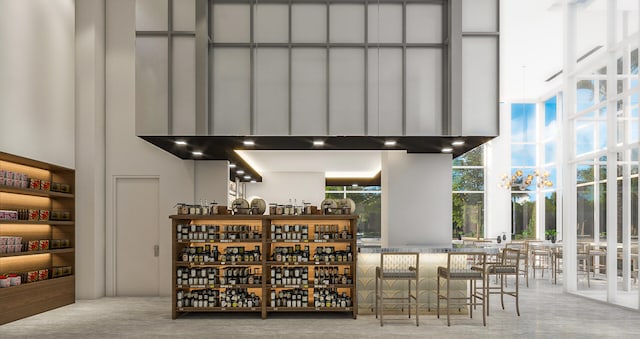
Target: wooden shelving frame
(266,247)
(27,299)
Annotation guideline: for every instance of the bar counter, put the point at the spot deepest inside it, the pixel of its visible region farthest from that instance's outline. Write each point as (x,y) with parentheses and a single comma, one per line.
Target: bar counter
(430,258)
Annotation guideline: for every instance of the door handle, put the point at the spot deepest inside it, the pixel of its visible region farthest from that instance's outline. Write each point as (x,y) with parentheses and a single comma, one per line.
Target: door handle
(156,250)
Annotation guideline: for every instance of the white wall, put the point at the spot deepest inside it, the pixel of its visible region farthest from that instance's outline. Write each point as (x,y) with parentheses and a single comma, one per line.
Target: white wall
(212,181)
(416,199)
(37,79)
(128,155)
(279,187)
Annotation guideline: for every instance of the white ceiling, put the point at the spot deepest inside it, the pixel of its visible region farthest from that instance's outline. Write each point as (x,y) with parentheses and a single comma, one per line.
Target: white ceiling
(335,164)
(531,42)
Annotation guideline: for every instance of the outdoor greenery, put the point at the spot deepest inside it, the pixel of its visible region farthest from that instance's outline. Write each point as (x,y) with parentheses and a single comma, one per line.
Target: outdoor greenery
(468,208)
(367,199)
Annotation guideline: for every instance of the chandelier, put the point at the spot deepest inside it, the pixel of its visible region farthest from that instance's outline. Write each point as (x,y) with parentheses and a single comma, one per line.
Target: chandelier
(522,182)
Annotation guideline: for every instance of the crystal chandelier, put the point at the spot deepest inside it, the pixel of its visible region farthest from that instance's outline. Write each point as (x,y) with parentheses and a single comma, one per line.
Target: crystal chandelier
(522,182)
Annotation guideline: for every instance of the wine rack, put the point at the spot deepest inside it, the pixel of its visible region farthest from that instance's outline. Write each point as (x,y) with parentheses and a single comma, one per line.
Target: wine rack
(264,264)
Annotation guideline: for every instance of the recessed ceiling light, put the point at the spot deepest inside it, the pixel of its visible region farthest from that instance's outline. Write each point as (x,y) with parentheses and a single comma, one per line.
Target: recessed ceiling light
(196,153)
(232,165)
(181,142)
(390,143)
(447,150)
(252,181)
(248,143)
(318,143)
(354,185)
(247,177)
(239,171)
(458,143)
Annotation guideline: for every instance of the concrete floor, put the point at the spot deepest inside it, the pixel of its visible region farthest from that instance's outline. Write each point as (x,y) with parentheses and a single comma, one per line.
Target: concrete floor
(545,312)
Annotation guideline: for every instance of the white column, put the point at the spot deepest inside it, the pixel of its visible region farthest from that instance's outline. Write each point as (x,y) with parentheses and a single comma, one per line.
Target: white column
(90,149)
(498,162)
(626,173)
(540,202)
(559,168)
(416,199)
(567,192)
(612,155)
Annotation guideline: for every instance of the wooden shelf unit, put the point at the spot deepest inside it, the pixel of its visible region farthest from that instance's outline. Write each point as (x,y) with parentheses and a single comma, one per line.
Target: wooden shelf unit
(267,247)
(27,299)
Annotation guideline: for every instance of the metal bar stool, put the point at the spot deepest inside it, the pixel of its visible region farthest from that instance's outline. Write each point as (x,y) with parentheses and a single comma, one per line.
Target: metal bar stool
(463,266)
(398,266)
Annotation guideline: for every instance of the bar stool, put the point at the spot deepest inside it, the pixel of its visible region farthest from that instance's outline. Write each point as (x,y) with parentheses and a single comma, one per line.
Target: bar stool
(556,259)
(524,256)
(398,266)
(460,267)
(508,265)
(582,258)
(598,258)
(540,257)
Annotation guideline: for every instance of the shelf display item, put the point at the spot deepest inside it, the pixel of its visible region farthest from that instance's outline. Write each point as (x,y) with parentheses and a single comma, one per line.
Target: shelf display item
(240,206)
(258,206)
(329,206)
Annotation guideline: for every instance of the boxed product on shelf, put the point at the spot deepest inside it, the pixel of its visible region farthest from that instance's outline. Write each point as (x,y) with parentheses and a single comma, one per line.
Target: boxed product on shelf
(4,281)
(33,245)
(43,274)
(60,215)
(44,215)
(60,187)
(34,183)
(44,245)
(34,215)
(10,244)
(60,271)
(10,240)
(9,178)
(32,276)
(45,185)
(8,215)
(59,243)
(14,279)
